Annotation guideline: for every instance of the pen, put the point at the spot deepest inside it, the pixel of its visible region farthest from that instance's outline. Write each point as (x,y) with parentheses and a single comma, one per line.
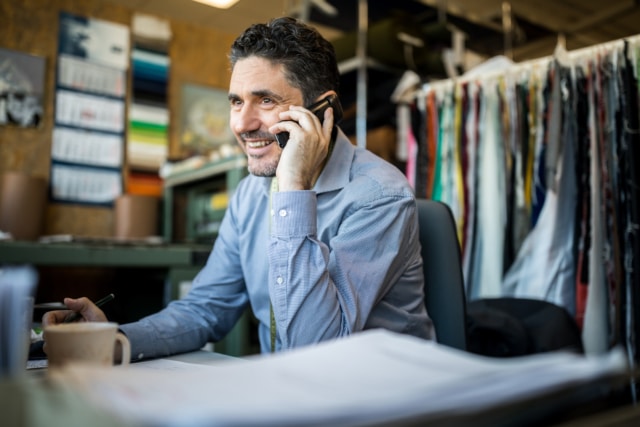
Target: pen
(75,316)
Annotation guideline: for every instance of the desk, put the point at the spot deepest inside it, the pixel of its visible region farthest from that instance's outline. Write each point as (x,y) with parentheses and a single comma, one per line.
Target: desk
(142,266)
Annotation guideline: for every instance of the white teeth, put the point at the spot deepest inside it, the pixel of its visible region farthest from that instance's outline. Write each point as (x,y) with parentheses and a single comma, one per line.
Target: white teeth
(258,144)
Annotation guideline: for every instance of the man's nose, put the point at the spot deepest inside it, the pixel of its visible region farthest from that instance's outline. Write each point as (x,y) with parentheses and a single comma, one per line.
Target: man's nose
(245,119)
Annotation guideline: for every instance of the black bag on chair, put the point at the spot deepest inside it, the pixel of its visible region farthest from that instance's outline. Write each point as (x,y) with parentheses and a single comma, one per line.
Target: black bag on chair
(508,327)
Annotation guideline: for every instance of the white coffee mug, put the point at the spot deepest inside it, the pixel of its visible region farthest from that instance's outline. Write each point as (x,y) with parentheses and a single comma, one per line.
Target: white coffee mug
(91,343)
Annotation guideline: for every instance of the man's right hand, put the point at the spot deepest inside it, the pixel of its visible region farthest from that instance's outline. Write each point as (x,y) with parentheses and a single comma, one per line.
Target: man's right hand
(88,311)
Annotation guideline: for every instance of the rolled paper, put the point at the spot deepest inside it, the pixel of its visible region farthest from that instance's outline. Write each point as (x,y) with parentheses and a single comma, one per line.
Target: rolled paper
(136,216)
(22,204)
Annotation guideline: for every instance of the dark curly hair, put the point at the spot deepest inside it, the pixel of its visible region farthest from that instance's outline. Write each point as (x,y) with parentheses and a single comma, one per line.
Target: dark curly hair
(309,59)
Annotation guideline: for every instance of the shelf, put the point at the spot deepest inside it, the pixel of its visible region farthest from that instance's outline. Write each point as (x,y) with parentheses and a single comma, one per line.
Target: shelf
(102,254)
(185,193)
(207,170)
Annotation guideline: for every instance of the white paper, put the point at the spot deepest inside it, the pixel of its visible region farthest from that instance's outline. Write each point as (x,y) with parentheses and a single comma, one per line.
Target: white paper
(89,111)
(165,365)
(91,148)
(79,74)
(81,184)
(371,376)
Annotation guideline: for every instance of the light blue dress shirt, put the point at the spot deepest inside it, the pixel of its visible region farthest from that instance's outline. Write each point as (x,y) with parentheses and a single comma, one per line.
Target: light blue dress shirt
(335,260)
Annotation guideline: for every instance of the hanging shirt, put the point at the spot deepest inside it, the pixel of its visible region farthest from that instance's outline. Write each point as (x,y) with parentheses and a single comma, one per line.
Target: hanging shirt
(544,267)
(486,277)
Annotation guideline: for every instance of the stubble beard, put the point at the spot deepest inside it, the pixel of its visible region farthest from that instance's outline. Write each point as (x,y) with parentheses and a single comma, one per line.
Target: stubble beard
(263,168)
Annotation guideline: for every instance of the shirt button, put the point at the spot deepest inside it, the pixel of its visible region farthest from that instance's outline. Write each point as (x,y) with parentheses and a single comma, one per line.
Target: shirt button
(279,280)
(282,212)
(140,356)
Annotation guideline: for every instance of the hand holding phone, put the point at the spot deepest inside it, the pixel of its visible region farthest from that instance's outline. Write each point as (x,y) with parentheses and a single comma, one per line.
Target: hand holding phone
(317,108)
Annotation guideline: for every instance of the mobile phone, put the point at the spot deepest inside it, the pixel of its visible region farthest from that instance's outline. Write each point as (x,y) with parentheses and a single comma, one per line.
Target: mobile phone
(318,109)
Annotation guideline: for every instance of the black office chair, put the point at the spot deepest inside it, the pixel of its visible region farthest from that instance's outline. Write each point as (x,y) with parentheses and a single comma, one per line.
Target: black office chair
(443,280)
(495,327)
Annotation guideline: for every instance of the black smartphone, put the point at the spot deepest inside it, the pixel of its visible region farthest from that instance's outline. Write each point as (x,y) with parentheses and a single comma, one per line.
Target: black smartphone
(318,109)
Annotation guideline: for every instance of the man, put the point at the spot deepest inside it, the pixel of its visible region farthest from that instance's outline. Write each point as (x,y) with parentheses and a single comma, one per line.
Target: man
(328,248)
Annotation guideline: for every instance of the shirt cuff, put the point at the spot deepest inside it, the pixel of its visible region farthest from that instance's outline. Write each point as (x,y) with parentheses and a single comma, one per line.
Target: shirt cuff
(294,213)
(136,336)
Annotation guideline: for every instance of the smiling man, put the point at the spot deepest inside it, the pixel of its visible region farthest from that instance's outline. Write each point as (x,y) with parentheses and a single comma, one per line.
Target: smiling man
(321,239)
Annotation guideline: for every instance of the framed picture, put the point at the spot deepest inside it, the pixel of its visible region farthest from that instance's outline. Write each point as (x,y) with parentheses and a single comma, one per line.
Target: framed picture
(204,119)
(22,78)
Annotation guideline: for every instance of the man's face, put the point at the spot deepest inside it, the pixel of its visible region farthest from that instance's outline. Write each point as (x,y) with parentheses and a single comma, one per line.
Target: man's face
(258,92)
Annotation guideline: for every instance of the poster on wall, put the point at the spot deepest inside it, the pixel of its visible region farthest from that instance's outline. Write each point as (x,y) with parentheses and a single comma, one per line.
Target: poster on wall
(21,88)
(94,40)
(87,153)
(204,119)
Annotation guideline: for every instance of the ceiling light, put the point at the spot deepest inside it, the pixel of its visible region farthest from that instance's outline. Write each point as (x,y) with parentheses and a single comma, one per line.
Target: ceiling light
(220,4)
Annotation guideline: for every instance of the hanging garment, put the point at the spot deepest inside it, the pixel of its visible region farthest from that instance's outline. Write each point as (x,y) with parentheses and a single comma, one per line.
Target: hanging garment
(540,172)
(606,117)
(457,196)
(450,188)
(491,217)
(544,268)
(521,206)
(442,161)
(595,330)
(422,166)
(404,111)
(530,157)
(613,129)
(630,187)
(583,212)
(508,110)
(470,176)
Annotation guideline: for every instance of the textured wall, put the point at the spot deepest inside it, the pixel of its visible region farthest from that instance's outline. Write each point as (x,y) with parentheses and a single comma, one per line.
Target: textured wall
(198,55)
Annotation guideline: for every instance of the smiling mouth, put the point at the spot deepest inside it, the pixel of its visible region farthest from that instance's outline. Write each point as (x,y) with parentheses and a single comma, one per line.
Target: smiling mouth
(259,144)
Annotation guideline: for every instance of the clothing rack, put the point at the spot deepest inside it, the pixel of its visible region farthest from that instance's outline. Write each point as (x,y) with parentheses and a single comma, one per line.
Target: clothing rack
(521,154)
(569,58)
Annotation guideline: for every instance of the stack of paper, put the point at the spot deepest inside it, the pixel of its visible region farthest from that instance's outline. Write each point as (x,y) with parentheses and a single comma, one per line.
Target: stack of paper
(371,378)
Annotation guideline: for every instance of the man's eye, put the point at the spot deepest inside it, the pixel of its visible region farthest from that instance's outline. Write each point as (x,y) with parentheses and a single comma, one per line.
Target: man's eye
(267,101)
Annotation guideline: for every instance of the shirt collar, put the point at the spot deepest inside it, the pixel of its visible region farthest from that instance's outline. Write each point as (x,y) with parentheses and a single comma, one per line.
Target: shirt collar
(335,174)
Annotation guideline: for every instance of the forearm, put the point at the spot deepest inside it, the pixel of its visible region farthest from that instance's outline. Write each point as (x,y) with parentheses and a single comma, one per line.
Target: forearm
(184,325)
(155,336)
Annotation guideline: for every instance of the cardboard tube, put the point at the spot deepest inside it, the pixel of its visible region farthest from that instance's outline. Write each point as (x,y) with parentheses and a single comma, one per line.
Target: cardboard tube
(22,203)
(136,217)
